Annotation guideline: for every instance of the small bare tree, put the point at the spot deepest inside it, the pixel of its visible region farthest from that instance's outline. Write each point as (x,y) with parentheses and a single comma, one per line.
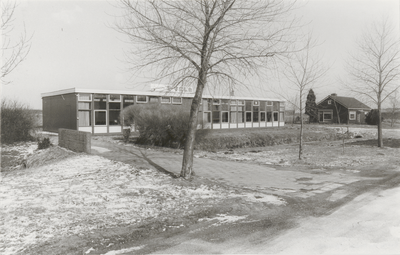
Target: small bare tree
(13,53)
(302,71)
(206,42)
(375,69)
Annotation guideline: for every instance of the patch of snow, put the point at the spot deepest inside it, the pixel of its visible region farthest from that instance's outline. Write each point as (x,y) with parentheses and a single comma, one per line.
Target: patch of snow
(100,149)
(116,252)
(224,219)
(260,197)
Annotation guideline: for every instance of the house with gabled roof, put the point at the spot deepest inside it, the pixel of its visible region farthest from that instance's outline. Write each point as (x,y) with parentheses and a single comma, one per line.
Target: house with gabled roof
(338,109)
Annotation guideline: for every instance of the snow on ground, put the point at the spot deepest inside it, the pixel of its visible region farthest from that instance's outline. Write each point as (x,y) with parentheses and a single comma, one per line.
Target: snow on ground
(85,192)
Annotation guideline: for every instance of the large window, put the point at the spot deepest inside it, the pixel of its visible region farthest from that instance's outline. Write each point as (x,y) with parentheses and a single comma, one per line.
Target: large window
(153,99)
(114,107)
(85,119)
(128,100)
(224,105)
(165,100)
(327,116)
(256,110)
(100,101)
(177,100)
(215,116)
(248,116)
(141,99)
(276,116)
(248,106)
(269,116)
(262,116)
(84,97)
(100,118)
(225,117)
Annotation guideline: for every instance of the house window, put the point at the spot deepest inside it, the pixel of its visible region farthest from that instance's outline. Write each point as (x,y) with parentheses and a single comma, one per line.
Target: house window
(233,108)
(115,98)
(276,116)
(215,116)
(329,101)
(248,116)
(224,105)
(225,117)
(114,118)
(269,103)
(153,99)
(141,99)
(269,116)
(177,100)
(165,100)
(327,116)
(128,100)
(233,102)
(216,102)
(352,115)
(248,105)
(256,103)
(84,105)
(262,116)
(85,97)
(100,118)
(100,101)
(85,119)
(240,102)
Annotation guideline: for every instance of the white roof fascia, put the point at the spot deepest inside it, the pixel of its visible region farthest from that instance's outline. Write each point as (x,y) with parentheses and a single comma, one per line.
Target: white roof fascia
(149,93)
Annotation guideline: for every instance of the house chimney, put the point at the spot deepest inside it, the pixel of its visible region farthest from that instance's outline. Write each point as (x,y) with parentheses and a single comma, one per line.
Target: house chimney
(334,94)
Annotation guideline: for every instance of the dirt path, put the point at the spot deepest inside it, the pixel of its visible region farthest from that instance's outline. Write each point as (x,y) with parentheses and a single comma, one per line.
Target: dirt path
(370,224)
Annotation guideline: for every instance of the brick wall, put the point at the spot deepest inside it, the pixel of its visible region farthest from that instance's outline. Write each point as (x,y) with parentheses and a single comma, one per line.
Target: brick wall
(74,140)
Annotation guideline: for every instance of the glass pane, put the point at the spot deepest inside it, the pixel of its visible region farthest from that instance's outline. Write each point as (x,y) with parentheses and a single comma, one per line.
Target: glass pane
(240,117)
(153,99)
(233,102)
(85,97)
(128,100)
(115,98)
(269,116)
(233,108)
(100,105)
(166,100)
(276,106)
(327,116)
(262,116)
(177,100)
(248,116)
(255,117)
(240,108)
(216,107)
(84,118)
(275,116)
(225,117)
(215,116)
(241,102)
(281,117)
(141,99)
(84,105)
(114,106)
(225,104)
(100,97)
(256,108)
(233,117)
(100,118)
(248,106)
(262,105)
(114,118)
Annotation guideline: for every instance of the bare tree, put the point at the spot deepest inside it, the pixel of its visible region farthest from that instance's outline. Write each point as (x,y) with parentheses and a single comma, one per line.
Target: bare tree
(13,52)
(375,69)
(302,71)
(221,43)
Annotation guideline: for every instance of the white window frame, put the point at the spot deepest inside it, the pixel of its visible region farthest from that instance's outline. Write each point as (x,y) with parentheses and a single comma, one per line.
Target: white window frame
(269,103)
(166,102)
(355,115)
(141,102)
(256,103)
(172,100)
(329,101)
(90,100)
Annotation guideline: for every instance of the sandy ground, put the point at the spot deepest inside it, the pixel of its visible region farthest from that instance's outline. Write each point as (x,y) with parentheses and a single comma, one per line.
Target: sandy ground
(368,225)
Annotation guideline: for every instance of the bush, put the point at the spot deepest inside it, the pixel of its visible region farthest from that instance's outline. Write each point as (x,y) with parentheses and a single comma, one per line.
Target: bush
(160,125)
(17,122)
(372,117)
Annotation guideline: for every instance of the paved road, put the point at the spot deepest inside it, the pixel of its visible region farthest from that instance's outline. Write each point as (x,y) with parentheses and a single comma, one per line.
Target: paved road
(253,176)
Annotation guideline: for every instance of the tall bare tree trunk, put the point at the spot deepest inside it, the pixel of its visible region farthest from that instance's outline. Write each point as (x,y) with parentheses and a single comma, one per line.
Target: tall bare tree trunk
(187,162)
(301,129)
(380,139)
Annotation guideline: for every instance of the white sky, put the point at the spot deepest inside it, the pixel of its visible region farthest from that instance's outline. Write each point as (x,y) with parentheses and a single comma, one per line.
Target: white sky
(73,44)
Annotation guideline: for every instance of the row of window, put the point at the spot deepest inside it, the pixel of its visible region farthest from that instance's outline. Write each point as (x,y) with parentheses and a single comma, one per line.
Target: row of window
(241,117)
(128,98)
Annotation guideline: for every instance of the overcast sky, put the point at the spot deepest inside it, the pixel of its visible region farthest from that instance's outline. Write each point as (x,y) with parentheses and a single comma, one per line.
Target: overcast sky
(74,45)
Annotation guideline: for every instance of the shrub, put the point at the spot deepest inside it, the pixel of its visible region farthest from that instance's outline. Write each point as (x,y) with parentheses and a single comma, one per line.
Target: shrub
(17,121)
(159,125)
(44,144)
(372,117)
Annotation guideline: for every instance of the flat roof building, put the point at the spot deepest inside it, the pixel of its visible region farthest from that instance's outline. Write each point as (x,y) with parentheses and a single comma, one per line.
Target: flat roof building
(97,111)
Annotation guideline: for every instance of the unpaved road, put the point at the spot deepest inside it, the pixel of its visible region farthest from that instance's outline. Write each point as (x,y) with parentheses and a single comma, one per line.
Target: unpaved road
(370,224)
